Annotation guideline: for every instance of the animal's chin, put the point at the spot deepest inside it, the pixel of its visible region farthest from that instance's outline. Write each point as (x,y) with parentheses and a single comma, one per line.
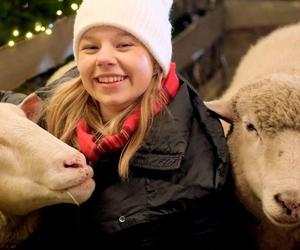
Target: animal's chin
(283,221)
(82,191)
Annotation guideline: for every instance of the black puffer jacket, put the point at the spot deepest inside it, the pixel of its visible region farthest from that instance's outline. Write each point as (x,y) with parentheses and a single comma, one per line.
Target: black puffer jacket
(175,196)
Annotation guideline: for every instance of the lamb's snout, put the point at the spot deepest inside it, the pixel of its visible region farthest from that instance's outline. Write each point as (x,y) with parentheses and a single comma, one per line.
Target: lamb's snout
(76,160)
(73,165)
(290,206)
(72,170)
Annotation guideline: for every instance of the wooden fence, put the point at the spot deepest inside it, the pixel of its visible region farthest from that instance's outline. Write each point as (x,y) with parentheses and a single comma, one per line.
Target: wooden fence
(206,52)
(26,66)
(30,58)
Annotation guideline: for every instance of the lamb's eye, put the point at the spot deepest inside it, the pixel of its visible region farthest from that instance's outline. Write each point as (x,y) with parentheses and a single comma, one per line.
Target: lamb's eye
(250,127)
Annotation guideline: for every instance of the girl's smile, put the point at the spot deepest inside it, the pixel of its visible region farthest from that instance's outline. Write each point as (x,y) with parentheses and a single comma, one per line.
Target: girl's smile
(110,81)
(116,68)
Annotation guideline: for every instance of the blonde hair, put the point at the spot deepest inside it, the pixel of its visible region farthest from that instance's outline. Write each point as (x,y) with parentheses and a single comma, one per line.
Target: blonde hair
(70,102)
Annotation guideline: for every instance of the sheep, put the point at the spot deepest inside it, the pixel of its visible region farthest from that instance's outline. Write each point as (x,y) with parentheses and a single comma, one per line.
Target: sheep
(36,169)
(60,71)
(262,104)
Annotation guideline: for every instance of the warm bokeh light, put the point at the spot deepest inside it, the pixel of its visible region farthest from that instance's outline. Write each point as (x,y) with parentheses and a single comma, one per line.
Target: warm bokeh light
(74,6)
(16,33)
(59,12)
(11,43)
(29,35)
(48,31)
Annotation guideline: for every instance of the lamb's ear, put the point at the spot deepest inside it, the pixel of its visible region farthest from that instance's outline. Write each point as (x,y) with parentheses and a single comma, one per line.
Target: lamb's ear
(222,108)
(32,106)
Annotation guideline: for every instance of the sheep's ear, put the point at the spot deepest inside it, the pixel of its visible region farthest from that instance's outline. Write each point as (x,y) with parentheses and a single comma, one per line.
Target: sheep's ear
(32,106)
(222,108)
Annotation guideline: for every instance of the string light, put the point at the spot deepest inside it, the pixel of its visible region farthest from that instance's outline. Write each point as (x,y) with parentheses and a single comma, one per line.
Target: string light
(16,33)
(29,35)
(48,31)
(59,12)
(74,6)
(11,43)
(25,29)
(38,27)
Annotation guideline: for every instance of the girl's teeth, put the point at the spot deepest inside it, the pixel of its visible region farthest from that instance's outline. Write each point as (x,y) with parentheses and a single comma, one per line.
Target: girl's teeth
(111,79)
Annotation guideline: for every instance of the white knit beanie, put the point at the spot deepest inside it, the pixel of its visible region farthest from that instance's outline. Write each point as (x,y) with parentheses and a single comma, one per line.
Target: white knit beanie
(147,20)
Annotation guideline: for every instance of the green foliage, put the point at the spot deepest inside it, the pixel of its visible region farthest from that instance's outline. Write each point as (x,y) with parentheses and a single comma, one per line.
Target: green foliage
(24,14)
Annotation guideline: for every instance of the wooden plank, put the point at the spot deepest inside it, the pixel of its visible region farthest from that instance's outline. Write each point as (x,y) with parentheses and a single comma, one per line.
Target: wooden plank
(255,14)
(198,37)
(214,87)
(30,58)
(33,57)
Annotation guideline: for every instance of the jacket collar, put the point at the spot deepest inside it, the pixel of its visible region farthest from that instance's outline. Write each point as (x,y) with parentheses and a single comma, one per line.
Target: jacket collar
(166,142)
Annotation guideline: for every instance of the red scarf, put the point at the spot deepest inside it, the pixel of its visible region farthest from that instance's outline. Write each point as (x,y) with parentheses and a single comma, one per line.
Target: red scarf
(111,143)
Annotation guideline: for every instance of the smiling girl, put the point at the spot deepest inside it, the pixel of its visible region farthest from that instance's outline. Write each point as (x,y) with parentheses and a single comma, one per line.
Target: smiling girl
(159,155)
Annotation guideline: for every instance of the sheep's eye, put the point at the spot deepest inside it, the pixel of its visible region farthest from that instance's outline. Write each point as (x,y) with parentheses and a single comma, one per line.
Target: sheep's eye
(250,127)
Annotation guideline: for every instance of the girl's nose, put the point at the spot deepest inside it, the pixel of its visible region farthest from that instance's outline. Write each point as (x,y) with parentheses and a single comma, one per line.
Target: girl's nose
(106,56)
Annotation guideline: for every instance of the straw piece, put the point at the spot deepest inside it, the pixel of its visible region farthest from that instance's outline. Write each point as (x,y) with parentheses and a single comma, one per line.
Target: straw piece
(72,197)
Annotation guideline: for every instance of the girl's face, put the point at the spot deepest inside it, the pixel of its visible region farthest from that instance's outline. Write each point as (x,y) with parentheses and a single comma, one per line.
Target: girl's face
(115,68)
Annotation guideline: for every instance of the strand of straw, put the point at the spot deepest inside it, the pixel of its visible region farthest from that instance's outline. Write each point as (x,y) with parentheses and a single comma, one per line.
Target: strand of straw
(72,197)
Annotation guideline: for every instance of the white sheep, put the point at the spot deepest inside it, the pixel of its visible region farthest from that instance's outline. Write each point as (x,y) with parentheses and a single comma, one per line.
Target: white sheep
(263,106)
(36,170)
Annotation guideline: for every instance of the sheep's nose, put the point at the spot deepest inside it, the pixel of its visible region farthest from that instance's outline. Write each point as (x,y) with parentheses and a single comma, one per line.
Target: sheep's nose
(290,205)
(75,161)
(73,165)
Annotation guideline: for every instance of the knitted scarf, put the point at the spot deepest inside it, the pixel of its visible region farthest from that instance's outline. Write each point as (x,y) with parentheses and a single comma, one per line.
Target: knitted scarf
(111,143)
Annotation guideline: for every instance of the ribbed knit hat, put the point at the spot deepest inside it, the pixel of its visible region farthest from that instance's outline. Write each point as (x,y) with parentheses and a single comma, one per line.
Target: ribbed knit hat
(147,20)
